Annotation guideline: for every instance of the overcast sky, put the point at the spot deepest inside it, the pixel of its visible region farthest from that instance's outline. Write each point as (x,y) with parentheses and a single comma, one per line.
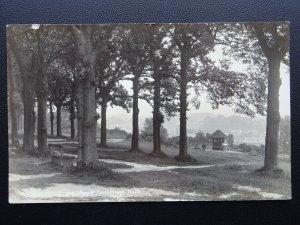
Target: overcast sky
(146,110)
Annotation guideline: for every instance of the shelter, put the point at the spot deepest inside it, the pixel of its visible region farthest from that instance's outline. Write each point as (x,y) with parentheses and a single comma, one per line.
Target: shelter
(218,139)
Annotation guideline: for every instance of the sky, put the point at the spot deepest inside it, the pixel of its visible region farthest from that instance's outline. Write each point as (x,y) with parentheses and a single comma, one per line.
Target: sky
(284,95)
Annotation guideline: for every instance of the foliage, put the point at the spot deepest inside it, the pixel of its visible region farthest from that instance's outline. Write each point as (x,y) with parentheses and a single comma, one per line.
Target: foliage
(59,85)
(147,132)
(170,65)
(159,88)
(230,139)
(200,138)
(253,149)
(111,68)
(239,45)
(117,133)
(173,141)
(285,135)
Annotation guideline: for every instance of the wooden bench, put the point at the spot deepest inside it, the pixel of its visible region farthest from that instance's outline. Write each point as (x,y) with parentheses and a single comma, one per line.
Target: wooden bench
(59,148)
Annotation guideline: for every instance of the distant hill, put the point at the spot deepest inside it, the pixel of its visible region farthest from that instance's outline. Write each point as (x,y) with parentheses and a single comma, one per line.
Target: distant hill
(209,123)
(205,122)
(245,129)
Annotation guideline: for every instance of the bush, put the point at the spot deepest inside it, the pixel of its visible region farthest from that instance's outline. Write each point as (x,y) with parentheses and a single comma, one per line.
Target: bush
(173,141)
(256,150)
(199,139)
(245,148)
(147,132)
(116,133)
(128,137)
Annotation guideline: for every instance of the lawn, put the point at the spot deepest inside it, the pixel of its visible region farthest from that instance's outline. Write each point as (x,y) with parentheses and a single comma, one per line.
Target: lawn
(126,176)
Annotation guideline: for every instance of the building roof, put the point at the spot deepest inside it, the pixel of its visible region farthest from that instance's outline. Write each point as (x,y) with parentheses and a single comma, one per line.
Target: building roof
(218,134)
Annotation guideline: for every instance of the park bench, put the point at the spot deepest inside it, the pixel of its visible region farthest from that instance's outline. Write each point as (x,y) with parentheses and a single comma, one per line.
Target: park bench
(57,150)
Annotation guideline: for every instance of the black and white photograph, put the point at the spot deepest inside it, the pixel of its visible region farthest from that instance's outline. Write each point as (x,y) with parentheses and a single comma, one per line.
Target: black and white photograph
(148,112)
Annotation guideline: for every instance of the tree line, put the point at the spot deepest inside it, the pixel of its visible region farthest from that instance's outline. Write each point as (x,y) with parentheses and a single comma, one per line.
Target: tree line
(82,67)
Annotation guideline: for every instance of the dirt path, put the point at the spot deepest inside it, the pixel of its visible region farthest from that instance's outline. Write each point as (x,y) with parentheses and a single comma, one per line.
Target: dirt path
(76,192)
(138,167)
(225,176)
(70,192)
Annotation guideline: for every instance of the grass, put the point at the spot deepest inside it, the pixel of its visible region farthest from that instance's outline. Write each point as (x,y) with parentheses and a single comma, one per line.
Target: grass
(223,177)
(240,169)
(95,172)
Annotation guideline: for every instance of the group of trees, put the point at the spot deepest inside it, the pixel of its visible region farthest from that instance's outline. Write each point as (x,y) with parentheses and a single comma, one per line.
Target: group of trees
(147,131)
(81,67)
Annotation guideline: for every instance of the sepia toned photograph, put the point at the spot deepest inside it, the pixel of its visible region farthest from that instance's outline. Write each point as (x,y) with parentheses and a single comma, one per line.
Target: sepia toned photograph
(148,112)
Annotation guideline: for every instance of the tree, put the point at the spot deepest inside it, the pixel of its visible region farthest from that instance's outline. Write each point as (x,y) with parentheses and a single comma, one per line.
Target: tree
(71,64)
(230,139)
(47,53)
(135,54)
(200,138)
(70,107)
(192,40)
(15,39)
(59,87)
(160,56)
(147,132)
(88,151)
(244,92)
(263,46)
(51,116)
(115,96)
(273,39)
(11,102)
(110,69)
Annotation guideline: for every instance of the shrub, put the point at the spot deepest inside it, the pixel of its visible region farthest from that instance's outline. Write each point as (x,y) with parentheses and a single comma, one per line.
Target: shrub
(147,132)
(245,148)
(116,133)
(173,141)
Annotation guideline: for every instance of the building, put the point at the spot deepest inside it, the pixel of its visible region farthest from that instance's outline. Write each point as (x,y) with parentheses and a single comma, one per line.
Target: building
(218,139)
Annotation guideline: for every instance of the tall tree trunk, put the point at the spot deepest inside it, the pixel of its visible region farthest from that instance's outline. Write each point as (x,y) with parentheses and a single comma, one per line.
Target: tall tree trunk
(103,122)
(89,147)
(79,106)
(135,116)
(89,121)
(183,108)
(273,116)
(157,116)
(42,123)
(12,105)
(51,118)
(72,116)
(29,115)
(58,120)
(18,119)
(27,96)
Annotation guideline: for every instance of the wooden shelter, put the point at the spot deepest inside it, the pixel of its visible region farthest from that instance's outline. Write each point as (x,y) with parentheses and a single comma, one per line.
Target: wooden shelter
(218,138)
